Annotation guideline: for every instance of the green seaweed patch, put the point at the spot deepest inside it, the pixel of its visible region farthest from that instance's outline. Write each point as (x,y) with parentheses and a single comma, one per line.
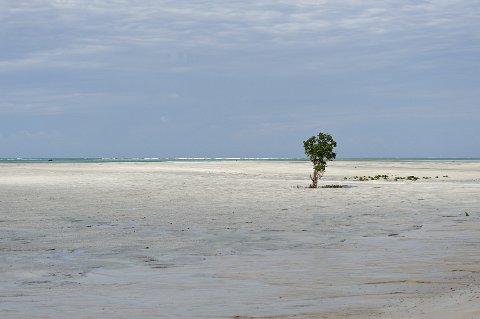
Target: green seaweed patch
(333,186)
(408,178)
(370,178)
(386,177)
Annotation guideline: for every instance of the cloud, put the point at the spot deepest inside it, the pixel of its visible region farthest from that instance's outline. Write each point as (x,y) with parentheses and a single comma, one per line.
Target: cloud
(188,68)
(75,57)
(44,102)
(173,96)
(88,34)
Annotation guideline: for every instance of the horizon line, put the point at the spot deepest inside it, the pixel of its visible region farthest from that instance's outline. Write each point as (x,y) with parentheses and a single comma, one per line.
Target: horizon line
(171,159)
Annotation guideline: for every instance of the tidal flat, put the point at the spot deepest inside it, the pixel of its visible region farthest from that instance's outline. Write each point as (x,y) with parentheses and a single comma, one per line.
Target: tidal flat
(239,239)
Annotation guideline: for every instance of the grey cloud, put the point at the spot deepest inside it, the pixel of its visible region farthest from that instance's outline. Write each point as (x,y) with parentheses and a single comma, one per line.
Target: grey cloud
(210,75)
(209,26)
(50,102)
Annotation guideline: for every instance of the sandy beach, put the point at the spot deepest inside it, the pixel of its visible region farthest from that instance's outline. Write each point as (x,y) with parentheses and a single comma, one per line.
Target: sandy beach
(239,240)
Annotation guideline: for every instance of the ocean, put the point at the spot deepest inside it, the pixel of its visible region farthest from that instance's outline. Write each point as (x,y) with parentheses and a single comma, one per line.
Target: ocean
(211,159)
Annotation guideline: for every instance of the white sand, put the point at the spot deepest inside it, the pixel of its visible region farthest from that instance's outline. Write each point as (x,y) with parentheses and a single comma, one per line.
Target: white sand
(226,239)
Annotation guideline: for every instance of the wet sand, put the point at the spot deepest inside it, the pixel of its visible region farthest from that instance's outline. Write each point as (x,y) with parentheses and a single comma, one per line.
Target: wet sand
(239,240)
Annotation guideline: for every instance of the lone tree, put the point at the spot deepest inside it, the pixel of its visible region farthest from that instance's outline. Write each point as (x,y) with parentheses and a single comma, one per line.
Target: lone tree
(319,150)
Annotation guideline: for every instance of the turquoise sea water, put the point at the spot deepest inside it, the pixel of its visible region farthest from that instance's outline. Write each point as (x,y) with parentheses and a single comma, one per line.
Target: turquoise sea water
(202,159)
(140,159)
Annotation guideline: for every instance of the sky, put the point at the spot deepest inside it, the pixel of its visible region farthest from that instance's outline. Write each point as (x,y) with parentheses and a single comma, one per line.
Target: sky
(249,78)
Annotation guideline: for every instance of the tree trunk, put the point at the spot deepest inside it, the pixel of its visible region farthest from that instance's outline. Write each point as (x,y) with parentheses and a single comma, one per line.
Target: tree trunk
(314,178)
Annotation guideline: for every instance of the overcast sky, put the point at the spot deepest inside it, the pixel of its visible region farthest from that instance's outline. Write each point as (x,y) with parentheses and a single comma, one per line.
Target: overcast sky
(249,78)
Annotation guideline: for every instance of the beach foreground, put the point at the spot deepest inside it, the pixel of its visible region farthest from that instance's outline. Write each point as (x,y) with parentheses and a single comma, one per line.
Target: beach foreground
(239,240)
